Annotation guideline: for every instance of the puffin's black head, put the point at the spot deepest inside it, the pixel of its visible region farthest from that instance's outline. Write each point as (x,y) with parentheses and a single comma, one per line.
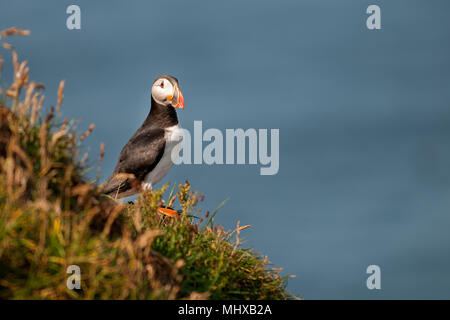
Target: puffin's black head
(165,91)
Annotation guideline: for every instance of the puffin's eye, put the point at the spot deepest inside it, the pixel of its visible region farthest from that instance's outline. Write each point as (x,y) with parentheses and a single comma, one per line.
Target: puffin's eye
(162,84)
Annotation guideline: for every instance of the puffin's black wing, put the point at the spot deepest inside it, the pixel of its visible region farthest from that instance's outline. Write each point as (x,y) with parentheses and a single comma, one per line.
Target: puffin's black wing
(138,157)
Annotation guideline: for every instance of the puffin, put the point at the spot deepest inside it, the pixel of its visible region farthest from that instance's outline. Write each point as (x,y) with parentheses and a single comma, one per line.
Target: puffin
(146,157)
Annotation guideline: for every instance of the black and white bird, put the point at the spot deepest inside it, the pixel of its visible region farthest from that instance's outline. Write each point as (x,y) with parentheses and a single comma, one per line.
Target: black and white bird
(146,157)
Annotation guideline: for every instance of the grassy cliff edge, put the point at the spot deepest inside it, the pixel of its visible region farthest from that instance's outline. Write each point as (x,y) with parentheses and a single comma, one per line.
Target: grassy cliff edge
(52,217)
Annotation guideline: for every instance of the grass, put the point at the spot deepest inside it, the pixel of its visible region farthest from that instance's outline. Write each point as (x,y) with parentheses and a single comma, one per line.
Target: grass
(52,216)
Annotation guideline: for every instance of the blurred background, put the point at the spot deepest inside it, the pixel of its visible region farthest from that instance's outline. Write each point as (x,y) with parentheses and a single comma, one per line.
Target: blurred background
(363,116)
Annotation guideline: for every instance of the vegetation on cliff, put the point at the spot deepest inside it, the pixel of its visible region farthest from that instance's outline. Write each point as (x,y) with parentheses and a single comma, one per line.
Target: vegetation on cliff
(53,216)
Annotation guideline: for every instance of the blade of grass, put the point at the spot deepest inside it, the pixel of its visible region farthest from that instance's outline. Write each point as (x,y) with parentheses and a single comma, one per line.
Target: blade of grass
(211,218)
(170,194)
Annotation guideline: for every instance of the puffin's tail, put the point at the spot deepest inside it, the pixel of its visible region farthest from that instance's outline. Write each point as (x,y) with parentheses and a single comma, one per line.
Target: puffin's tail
(118,184)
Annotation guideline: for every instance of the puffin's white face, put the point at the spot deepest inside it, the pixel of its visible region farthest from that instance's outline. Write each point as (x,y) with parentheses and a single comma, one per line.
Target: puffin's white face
(166,93)
(163,91)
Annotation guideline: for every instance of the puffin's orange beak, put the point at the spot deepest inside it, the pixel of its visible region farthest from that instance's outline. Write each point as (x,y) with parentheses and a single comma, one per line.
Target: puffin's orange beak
(180,103)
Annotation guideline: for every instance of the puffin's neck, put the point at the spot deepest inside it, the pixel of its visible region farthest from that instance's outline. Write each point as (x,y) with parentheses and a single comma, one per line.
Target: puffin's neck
(161,116)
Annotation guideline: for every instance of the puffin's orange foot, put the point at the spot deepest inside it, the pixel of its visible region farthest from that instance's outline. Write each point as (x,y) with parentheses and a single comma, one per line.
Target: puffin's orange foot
(168,212)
